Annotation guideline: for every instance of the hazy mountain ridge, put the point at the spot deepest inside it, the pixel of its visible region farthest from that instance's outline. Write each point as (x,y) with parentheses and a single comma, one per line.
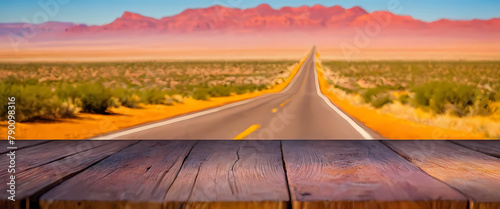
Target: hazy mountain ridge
(261,18)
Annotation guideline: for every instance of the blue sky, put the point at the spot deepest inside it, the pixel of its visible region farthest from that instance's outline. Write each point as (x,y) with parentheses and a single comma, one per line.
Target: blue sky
(105,11)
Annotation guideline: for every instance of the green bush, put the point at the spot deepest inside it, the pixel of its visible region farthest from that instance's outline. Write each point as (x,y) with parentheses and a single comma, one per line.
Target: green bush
(4,99)
(152,96)
(31,102)
(377,97)
(404,99)
(381,100)
(66,91)
(482,106)
(67,108)
(35,102)
(95,98)
(247,88)
(346,90)
(369,94)
(220,91)
(201,94)
(126,97)
(443,97)
(496,95)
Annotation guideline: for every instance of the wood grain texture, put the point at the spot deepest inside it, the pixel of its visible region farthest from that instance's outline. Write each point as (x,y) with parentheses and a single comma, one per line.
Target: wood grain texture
(360,174)
(231,174)
(137,177)
(33,182)
(42,154)
(475,174)
(20,144)
(487,147)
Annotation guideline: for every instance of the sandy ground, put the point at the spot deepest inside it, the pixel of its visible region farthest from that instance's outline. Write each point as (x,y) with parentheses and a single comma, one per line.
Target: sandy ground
(261,46)
(106,55)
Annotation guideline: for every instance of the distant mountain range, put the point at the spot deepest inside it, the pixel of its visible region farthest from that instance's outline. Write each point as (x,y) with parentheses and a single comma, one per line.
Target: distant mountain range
(262,18)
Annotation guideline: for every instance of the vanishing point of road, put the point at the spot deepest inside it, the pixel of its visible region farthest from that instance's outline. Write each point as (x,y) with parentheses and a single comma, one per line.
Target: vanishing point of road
(300,111)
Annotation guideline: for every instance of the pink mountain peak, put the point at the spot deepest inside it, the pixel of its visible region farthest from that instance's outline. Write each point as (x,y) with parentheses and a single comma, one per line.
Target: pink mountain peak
(220,8)
(318,6)
(319,12)
(213,10)
(338,7)
(132,16)
(265,18)
(295,10)
(357,10)
(264,6)
(265,10)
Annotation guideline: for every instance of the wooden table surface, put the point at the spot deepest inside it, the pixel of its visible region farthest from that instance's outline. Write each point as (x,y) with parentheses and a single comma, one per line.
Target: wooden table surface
(255,174)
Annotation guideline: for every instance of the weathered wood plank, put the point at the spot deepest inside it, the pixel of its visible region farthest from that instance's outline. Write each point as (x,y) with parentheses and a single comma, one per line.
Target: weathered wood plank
(136,177)
(20,144)
(360,174)
(31,183)
(487,147)
(231,174)
(475,174)
(41,154)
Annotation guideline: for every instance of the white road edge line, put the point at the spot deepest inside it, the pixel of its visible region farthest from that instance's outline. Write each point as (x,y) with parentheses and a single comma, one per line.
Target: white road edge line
(358,128)
(191,116)
(174,120)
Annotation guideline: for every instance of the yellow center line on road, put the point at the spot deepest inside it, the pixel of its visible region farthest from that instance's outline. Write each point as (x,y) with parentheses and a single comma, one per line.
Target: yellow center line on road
(284,103)
(247,132)
(288,100)
(274,110)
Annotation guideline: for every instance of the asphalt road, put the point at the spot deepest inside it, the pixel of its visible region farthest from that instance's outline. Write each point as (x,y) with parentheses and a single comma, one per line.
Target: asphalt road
(300,111)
